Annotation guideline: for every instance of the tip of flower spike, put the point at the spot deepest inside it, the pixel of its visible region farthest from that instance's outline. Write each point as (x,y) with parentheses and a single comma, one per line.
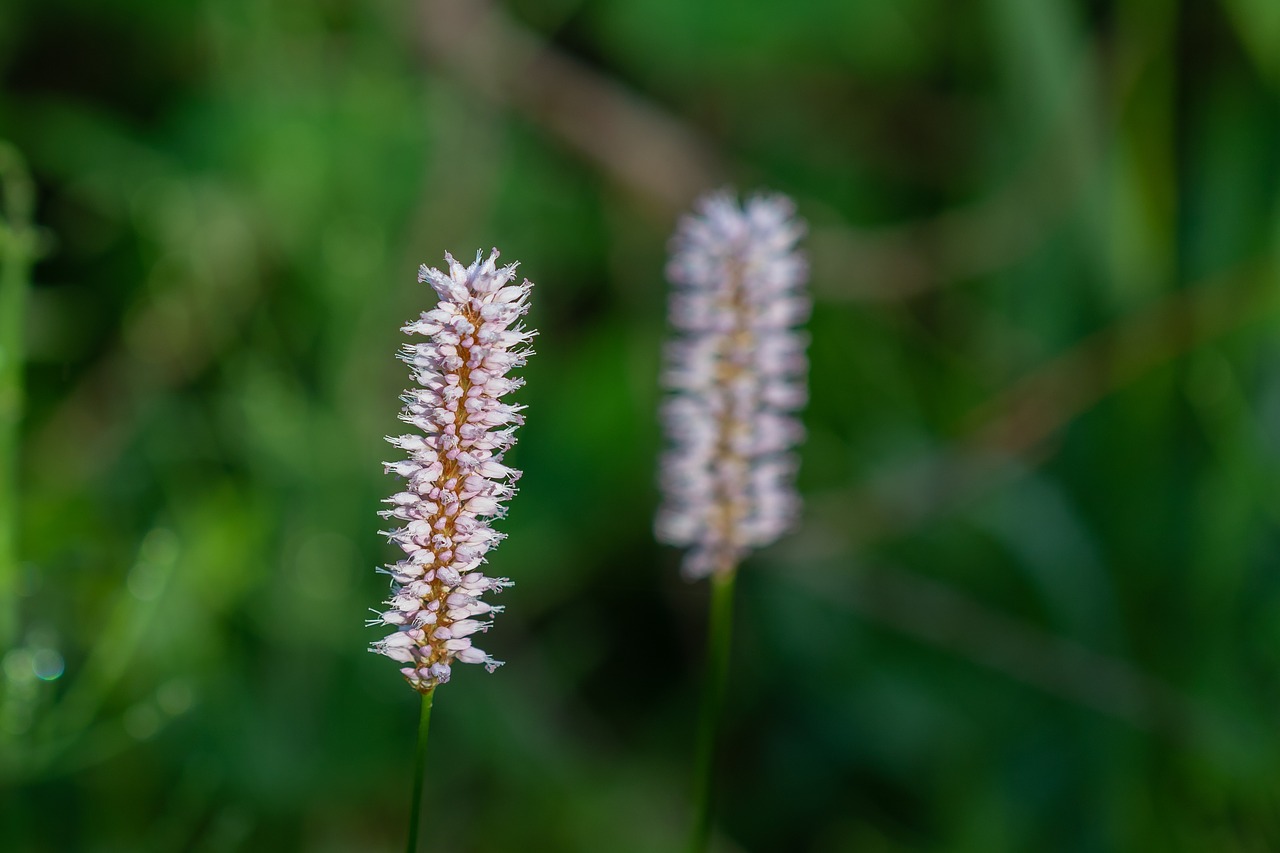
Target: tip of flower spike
(456,270)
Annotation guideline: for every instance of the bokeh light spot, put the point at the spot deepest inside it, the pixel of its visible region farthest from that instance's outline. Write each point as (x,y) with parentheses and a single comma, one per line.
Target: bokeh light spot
(47,664)
(18,665)
(142,721)
(175,697)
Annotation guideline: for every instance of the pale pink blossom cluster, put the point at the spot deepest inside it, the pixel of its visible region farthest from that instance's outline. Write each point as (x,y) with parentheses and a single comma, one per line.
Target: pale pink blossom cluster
(456,479)
(736,375)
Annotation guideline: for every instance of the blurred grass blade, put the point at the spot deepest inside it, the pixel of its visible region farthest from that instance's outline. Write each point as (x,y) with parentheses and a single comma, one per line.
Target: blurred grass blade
(118,643)
(17,254)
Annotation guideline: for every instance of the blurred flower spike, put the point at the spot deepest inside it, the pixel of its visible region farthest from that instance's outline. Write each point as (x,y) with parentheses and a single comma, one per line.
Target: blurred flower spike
(735,373)
(456,479)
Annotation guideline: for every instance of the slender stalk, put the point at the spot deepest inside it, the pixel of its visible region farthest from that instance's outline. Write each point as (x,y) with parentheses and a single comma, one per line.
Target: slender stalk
(17,254)
(719,628)
(419,770)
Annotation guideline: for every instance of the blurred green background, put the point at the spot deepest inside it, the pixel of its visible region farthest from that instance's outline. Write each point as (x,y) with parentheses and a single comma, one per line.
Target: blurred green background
(1035,600)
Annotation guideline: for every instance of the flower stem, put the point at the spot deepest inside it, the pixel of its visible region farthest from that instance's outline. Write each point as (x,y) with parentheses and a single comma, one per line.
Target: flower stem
(17,255)
(419,770)
(713,689)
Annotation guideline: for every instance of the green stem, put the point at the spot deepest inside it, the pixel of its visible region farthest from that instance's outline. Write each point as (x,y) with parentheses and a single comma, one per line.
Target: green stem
(17,254)
(419,771)
(713,690)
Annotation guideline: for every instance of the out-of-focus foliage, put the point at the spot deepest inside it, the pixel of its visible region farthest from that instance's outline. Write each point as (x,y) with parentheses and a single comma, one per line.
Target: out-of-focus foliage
(1035,603)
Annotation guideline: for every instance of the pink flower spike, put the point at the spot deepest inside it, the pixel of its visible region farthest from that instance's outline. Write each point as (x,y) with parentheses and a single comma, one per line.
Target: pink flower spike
(735,376)
(456,479)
